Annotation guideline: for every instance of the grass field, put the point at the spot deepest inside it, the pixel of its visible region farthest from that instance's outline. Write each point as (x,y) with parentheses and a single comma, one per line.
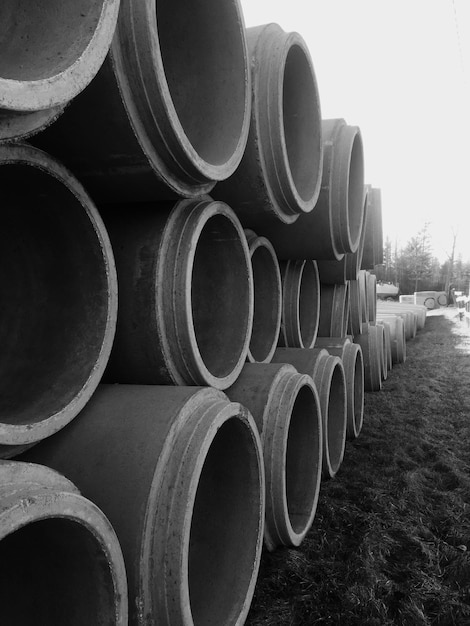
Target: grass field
(390,543)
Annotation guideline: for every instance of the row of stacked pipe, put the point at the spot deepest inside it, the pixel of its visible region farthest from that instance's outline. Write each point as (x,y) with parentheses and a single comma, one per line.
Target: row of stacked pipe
(186,328)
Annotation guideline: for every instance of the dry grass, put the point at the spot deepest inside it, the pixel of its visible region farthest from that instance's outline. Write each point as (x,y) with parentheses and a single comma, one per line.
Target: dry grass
(391,540)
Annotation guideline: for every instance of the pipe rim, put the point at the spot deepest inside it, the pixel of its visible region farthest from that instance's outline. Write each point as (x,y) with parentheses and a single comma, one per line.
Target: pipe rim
(264,353)
(300,311)
(174,269)
(16,125)
(45,92)
(181,165)
(37,504)
(332,458)
(167,532)
(29,433)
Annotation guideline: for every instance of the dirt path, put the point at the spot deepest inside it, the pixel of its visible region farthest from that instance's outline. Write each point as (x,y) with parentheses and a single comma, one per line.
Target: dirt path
(391,540)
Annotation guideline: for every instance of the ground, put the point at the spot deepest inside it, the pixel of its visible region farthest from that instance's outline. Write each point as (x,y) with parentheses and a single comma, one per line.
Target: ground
(390,543)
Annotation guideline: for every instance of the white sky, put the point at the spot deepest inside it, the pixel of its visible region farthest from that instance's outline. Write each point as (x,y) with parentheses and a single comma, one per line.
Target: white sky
(400,70)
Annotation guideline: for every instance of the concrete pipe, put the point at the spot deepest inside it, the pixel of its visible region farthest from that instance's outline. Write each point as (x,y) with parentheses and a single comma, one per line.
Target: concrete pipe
(382,350)
(49,51)
(334,226)
(387,343)
(58,321)
(327,373)
(441,298)
(334,310)
(362,278)
(300,304)
(169,111)
(369,342)
(351,356)
(354,259)
(397,336)
(60,559)
(427,299)
(186,294)
(280,173)
(373,242)
(371,295)
(182,482)
(419,312)
(267,299)
(355,308)
(286,409)
(409,320)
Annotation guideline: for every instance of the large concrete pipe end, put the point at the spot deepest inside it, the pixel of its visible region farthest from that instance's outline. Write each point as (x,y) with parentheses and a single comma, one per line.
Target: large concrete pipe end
(182,482)
(58,322)
(267,299)
(186,294)
(169,112)
(300,304)
(60,560)
(49,52)
(280,174)
(286,409)
(328,376)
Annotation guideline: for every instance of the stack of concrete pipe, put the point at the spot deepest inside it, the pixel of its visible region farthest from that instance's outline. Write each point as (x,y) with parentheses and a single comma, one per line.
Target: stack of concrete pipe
(189,333)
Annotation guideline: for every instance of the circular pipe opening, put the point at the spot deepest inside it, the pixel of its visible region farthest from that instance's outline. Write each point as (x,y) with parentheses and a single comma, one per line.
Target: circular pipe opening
(302,459)
(225,527)
(204,57)
(356,189)
(309,310)
(54,572)
(302,123)
(42,38)
(54,321)
(335,419)
(267,304)
(221,296)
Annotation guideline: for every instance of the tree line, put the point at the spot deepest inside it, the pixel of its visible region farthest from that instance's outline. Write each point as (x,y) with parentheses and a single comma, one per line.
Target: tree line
(415,268)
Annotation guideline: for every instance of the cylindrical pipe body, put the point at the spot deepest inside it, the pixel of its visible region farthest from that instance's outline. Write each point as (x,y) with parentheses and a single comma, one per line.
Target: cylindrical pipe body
(351,357)
(397,336)
(280,173)
(60,559)
(186,294)
(168,113)
(300,304)
(369,342)
(286,409)
(334,310)
(267,309)
(49,52)
(327,373)
(58,322)
(334,226)
(182,482)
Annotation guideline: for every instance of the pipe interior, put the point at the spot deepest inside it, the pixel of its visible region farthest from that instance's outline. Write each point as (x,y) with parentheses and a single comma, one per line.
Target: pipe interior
(356,188)
(267,303)
(220,296)
(302,459)
(225,527)
(53,321)
(42,38)
(302,123)
(336,413)
(309,312)
(203,50)
(54,572)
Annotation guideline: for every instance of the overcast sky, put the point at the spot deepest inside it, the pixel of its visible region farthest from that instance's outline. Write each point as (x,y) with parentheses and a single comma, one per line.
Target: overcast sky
(400,70)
